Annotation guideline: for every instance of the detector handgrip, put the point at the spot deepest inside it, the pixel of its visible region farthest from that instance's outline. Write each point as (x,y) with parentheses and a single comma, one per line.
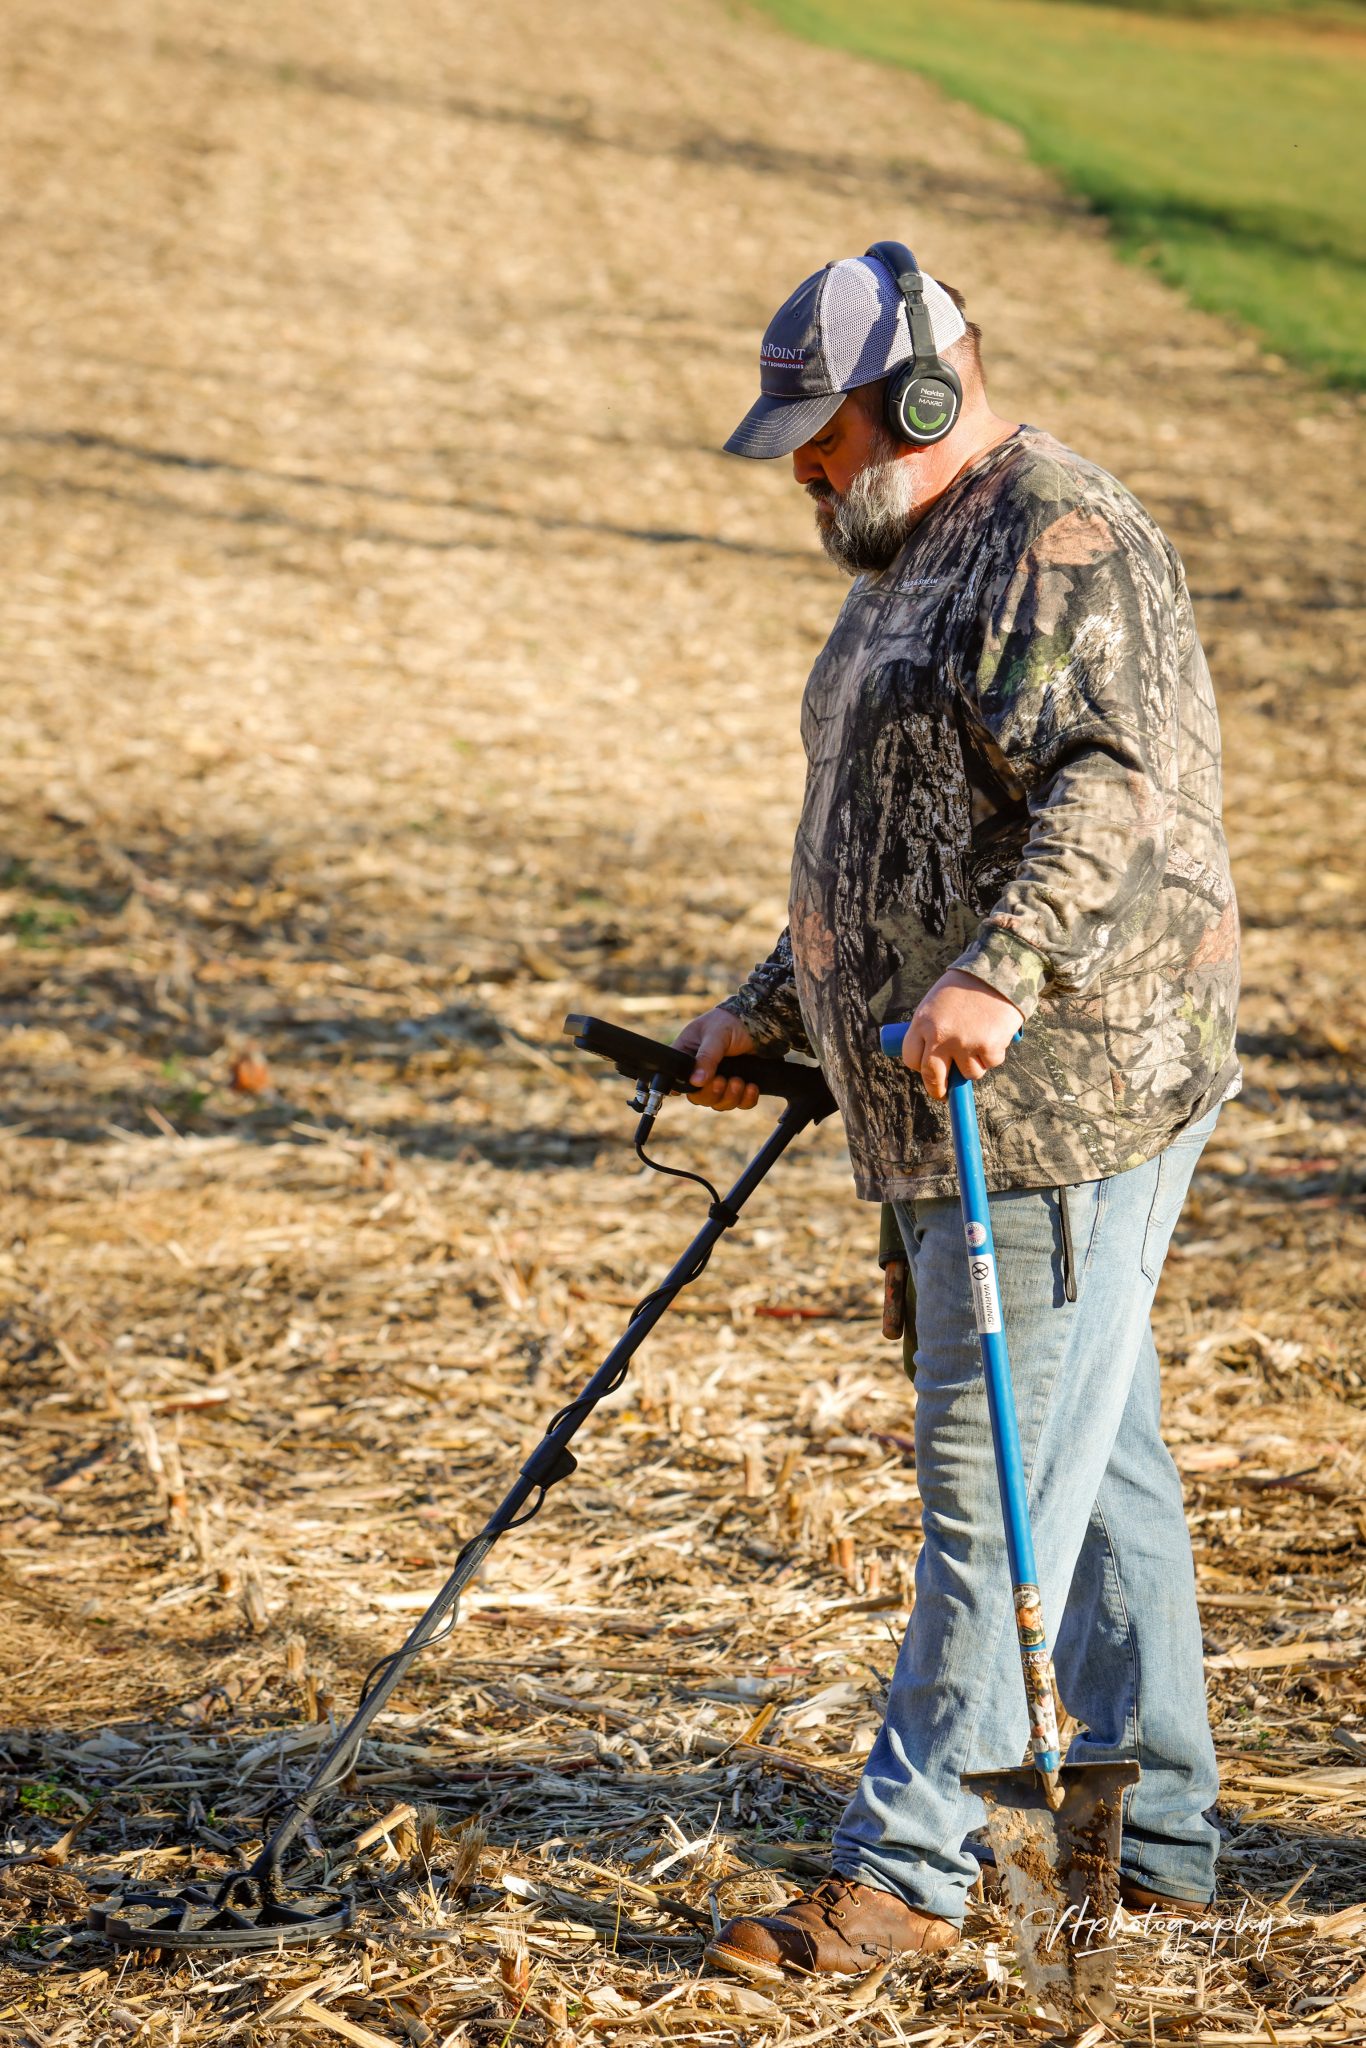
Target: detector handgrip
(648,1059)
(787,1078)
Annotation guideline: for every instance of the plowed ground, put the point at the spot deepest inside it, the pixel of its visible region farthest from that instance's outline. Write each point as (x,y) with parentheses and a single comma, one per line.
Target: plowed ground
(392,665)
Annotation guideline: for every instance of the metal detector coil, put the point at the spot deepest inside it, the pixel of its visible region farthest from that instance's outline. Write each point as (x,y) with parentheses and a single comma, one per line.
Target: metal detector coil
(195,1918)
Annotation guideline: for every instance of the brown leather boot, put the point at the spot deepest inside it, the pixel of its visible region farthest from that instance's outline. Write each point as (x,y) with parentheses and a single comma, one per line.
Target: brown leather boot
(840,1929)
(1140,1898)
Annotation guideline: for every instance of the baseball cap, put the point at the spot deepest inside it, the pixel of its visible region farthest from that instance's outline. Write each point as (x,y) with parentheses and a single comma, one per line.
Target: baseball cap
(844,326)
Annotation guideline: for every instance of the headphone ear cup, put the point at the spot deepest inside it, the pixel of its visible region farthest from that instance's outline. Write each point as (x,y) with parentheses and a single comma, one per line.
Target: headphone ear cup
(923,406)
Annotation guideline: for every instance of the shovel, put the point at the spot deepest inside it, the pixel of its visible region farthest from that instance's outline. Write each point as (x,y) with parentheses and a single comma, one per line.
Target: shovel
(1054,1828)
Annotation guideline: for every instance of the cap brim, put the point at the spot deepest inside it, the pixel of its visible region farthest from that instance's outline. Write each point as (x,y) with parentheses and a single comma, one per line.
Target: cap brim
(776,426)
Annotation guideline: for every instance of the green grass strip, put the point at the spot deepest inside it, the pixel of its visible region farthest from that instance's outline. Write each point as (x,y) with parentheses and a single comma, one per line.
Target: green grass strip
(1225,148)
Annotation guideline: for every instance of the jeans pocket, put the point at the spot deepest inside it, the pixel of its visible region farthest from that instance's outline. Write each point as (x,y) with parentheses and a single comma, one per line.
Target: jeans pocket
(1101,1202)
(1157,1230)
(1174,1169)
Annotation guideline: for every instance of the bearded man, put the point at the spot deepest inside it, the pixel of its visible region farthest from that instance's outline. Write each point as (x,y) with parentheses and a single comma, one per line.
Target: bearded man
(1011,826)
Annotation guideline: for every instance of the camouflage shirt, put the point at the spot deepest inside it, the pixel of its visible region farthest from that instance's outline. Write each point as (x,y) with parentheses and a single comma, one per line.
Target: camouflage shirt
(1013,768)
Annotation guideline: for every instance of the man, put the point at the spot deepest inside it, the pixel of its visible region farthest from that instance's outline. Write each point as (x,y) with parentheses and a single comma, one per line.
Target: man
(1011,826)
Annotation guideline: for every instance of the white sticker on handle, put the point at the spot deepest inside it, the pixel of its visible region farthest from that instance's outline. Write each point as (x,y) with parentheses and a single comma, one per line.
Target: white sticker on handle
(986,1299)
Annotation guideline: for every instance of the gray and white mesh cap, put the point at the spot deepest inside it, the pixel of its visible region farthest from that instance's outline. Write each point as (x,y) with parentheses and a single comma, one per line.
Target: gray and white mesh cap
(844,326)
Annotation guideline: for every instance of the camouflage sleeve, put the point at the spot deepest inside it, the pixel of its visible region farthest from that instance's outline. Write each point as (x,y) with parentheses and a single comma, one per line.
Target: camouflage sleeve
(767,1004)
(1077,687)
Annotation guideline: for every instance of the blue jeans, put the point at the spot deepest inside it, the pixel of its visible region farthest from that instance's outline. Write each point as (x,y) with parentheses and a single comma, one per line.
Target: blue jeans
(1113,1551)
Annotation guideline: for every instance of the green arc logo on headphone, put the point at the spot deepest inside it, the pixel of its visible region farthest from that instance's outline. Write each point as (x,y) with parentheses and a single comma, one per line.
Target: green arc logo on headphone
(927,426)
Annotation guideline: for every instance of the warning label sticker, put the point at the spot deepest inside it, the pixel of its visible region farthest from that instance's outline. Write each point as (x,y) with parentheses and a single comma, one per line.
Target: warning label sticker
(986,1299)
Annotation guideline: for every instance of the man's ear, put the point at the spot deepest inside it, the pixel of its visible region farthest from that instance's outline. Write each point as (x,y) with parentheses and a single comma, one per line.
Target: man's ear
(965,356)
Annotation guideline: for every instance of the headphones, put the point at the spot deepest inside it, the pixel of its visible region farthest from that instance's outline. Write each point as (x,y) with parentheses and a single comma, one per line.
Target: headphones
(924,396)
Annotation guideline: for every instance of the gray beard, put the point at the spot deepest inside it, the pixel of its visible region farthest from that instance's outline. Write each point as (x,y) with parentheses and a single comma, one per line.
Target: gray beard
(867,527)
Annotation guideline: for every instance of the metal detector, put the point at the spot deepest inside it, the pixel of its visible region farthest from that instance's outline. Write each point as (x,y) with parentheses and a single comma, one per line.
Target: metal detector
(252,1908)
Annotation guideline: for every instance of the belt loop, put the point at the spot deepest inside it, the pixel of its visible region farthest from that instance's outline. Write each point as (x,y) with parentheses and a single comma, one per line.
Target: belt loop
(1069,1260)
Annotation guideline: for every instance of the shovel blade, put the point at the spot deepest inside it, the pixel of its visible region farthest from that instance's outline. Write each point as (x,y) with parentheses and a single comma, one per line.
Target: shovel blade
(1060,1871)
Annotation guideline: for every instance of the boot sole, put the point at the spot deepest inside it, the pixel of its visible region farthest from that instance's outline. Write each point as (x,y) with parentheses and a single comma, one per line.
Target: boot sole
(723,1958)
(735,1959)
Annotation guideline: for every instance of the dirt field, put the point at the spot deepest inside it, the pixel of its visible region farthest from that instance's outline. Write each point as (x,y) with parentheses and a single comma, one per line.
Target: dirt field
(393,665)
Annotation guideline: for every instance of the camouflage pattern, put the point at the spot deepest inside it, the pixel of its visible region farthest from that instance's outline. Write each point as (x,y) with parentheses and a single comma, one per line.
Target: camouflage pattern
(1013,768)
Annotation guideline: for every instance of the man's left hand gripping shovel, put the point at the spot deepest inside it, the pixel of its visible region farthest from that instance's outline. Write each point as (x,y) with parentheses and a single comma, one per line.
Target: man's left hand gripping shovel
(1054,1827)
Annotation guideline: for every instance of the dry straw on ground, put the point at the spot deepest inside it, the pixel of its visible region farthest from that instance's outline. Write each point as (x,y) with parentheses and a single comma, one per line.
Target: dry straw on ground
(393,665)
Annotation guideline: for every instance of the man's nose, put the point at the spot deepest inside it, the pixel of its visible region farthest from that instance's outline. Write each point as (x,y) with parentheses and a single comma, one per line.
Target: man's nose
(807,466)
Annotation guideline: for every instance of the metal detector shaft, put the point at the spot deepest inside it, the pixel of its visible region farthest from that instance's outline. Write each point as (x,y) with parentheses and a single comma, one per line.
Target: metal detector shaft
(550,1462)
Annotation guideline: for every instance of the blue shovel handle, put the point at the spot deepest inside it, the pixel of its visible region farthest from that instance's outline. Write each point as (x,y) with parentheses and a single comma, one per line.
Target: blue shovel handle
(1005,1431)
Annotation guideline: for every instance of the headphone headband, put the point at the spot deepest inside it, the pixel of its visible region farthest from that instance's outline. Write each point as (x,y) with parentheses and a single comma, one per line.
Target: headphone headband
(896,258)
(923,396)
